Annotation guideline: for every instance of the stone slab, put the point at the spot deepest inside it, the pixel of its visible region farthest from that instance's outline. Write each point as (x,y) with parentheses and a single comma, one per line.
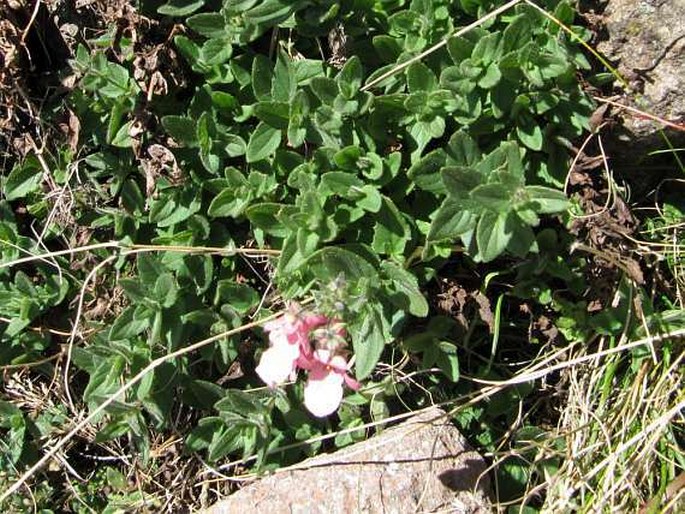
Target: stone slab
(421,465)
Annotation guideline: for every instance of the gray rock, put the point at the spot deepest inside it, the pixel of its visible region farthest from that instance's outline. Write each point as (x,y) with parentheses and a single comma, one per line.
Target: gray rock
(421,465)
(646,38)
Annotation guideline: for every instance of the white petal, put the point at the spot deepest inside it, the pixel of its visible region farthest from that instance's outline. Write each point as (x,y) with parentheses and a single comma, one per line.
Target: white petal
(277,363)
(323,397)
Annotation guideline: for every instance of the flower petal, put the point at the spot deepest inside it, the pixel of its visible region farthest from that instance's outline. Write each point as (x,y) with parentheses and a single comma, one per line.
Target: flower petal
(277,364)
(323,392)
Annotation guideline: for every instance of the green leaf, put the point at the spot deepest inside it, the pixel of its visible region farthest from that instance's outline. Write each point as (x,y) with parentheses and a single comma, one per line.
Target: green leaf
(462,149)
(235,145)
(181,128)
(243,403)
(201,436)
(224,442)
(491,77)
(495,197)
(372,199)
(391,231)
(425,173)
(265,216)
(262,76)
(492,236)
(547,200)
(116,81)
(420,78)
(460,180)
(387,47)
(203,394)
(229,203)
(187,202)
(276,114)
(325,89)
(165,290)
(488,49)
(348,158)
(180,7)
(12,419)
(350,78)
(284,82)
(239,296)
(24,178)
(263,142)
(405,289)
(224,101)
(518,32)
(529,132)
(105,379)
(459,48)
(340,183)
(270,12)
(188,49)
(216,51)
(447,360)
(205,132)
(126,325)
(523,239)
(149,268)
(210,25)
(368,340)
(451,221)
(553,66)
(298,113)
(329,262)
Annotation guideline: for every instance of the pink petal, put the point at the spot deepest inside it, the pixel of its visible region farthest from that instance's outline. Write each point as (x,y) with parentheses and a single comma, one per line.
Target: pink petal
(312,321)
(351,382)
(323,392)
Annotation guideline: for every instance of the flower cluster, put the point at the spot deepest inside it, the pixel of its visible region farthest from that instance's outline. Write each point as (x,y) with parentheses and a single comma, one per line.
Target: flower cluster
(312,342)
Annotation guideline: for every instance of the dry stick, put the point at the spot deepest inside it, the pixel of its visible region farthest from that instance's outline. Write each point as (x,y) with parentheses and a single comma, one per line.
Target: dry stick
(43,256)
(439,45)
(74,330)
(677,126)
(584,44)
(137,378)
(8,367)
(135,248)
(618,349)
(34,15)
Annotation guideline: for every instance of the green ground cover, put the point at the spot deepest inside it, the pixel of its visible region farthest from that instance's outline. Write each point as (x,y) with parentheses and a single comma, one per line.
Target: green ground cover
(403,169)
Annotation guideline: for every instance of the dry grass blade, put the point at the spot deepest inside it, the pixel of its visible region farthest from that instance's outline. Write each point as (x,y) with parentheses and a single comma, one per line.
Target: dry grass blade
(424,54)
(618,427)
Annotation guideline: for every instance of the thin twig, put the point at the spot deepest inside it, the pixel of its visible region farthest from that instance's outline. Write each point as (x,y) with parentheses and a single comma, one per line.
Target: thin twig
(677,126)
(439,45)
(74,330)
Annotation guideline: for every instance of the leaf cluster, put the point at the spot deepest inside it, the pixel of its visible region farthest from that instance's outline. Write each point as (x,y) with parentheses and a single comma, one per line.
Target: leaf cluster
(272,145)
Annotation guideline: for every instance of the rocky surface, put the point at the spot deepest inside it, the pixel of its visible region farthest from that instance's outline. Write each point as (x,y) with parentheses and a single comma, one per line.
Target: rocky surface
(646,40)
(421,465)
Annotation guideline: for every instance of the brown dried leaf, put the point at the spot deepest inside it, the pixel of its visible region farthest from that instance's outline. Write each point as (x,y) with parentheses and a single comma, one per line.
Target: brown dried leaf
(484,309)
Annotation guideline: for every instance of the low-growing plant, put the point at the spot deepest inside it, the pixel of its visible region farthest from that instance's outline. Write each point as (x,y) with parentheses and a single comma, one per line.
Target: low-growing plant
(315,152)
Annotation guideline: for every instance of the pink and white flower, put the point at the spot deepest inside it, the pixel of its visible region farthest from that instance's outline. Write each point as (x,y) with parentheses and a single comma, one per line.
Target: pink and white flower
(289,339)
(324,389)
(314,343)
